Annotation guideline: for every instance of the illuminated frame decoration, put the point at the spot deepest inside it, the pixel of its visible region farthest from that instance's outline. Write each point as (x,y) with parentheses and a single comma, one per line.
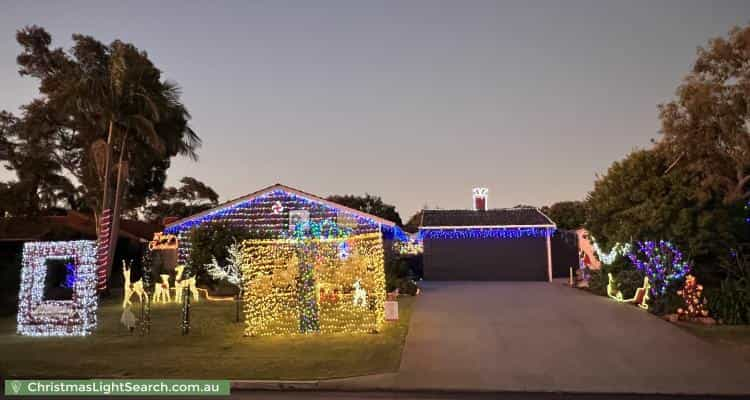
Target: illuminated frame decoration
(314,285)
(39,317)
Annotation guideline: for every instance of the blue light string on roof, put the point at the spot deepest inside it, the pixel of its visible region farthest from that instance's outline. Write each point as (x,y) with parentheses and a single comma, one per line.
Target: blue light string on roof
(485,233)
(229,211)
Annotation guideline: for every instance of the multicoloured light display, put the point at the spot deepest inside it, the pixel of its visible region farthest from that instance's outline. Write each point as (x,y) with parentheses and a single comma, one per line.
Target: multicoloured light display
(293,286)
(485,233)
(75,317)
(268,215)
(662,263)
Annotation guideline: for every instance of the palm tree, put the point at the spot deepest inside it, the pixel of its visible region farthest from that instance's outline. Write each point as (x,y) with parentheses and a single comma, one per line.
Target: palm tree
(142,113)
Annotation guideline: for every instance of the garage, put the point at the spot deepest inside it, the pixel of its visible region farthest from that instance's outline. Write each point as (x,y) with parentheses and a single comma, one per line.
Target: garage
(511,244)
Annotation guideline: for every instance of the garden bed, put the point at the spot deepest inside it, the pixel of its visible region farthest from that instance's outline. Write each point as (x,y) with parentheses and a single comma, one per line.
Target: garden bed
(214,349)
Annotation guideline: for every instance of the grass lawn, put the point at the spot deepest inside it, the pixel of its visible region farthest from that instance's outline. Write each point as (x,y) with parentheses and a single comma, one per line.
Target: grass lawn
(735,336)
(214,349)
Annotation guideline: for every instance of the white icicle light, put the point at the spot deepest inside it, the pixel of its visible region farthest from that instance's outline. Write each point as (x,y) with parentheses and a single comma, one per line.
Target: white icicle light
(39,317)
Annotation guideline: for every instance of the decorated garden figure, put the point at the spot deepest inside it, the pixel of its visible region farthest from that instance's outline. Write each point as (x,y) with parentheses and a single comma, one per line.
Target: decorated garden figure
(180,283)
(130,289)
(161,293)
(692,295)
(360,295)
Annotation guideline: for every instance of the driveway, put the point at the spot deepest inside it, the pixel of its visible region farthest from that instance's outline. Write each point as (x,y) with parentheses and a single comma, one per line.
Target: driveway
(536,336)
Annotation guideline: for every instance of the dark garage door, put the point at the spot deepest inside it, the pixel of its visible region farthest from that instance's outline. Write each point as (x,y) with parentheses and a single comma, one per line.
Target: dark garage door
(523,259)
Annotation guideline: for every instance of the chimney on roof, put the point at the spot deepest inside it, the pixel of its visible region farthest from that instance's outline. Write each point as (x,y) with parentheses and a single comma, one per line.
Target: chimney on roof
(480,198)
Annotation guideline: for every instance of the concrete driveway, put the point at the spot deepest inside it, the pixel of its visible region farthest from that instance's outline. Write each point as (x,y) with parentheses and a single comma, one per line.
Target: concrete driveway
(537,336)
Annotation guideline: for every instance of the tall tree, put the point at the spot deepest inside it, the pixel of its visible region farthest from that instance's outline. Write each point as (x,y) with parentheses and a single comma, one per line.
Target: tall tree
(567,214)
(193,196)
(110,111)
(635,200)
(706,126)
(370,204)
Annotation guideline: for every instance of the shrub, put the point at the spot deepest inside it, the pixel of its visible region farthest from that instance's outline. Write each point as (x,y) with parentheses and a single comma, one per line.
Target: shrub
(212,240)
(598,281)
(731,302)
(628,280)
(408,286)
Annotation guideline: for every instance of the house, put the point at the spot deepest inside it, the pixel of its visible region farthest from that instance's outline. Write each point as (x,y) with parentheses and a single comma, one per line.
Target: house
(484,244)
(275,211)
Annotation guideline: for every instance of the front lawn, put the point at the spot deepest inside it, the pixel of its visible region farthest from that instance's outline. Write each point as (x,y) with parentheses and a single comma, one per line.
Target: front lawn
(215,349)
(735,336)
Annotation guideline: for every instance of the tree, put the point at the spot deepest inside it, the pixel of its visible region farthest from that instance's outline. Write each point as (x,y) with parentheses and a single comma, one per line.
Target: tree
(412,225)
(635,200)
(192,197)
(104,103)
(567,214)
(706,127)
(369,204)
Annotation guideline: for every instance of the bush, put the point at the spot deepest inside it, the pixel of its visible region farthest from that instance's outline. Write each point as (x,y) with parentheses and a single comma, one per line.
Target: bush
(408,286)
(628,281)
(731,302)
(598,281)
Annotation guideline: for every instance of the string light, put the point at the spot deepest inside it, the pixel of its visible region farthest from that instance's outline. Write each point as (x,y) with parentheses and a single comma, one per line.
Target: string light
(692,295)
(608,258)
(485,233)
(75,317)
(294,286)
(662,263)
(257,216)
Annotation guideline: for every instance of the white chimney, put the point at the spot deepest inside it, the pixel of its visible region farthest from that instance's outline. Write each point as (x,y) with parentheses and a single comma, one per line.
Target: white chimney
(480,198)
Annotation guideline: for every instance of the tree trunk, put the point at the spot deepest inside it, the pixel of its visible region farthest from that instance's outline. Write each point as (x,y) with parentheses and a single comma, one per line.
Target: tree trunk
(107,168)
(121,172)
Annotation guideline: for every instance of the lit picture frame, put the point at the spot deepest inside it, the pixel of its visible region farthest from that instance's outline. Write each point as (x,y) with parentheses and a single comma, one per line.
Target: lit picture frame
(38,316)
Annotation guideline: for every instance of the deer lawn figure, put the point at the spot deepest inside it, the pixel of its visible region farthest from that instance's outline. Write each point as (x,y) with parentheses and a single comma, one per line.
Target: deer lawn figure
(180,284)
(161,292)
(131,288)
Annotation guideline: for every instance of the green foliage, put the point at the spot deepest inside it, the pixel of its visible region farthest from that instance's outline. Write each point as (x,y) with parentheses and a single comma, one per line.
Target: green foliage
(192,197)
(706,126)
(400,273)
(65,132)
(212,240)
(730,303)
(598,282)
(567,214)
(370,204)
(636,200)
(628,280)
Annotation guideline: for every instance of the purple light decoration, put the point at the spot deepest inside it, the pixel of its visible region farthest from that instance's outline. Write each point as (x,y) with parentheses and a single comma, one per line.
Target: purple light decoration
(663,264)
(70,277)
(485,233)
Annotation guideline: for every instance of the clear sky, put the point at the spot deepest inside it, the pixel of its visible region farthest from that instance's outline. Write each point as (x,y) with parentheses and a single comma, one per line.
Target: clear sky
(415,101)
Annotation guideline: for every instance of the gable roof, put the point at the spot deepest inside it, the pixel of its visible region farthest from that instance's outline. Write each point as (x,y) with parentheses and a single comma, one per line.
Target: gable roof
(499,217)
(287,189)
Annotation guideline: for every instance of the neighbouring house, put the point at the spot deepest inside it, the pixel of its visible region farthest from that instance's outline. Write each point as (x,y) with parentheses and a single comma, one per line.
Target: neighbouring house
(275,210)
(482,244)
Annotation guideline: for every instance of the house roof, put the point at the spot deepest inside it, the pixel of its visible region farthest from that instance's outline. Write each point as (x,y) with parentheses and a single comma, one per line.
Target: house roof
(499,217)
(280,187)
(74,225)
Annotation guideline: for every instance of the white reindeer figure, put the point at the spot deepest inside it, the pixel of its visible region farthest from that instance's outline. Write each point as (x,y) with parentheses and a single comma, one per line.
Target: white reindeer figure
(180,284)
(131,288)
(161,292)
(360,295)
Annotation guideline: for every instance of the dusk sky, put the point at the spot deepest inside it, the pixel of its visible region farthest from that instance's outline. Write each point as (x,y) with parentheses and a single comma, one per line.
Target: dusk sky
(415,101)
